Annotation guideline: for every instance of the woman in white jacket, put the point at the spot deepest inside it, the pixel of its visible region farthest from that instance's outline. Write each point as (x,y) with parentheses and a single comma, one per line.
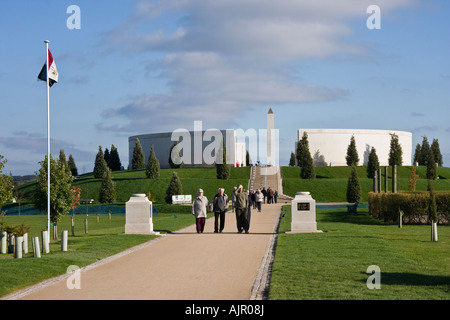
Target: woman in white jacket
(199,210)
(259,199)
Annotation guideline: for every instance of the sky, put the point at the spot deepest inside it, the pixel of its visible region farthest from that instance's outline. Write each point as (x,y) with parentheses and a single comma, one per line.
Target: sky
(138,67)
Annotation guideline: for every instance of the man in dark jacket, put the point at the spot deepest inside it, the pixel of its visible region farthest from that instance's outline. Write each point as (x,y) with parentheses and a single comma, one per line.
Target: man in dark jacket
(220,207)
(241,210)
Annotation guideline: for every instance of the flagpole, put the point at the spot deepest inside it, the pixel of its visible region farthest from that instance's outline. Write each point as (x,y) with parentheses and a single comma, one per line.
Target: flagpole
(48,143)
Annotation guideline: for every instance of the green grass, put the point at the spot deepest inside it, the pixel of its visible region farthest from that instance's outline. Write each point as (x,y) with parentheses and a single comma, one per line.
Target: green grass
(135,181)
(104,239)
(333,264)
(330,184)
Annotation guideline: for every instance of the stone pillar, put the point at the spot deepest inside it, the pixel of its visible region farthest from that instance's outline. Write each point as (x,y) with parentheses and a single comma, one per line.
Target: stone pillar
(379,179)
(394,178)
(375,182)
(303,211)
(386,179)
(138,215)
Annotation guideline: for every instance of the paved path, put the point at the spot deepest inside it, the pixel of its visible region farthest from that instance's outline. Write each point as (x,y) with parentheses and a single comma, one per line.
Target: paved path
(179,266)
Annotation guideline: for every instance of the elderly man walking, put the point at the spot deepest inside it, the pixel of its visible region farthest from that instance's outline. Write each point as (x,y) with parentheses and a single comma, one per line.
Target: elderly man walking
(241,210)
(220,207)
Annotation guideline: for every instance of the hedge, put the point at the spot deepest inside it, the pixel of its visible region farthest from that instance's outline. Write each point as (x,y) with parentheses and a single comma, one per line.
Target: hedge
(386,206)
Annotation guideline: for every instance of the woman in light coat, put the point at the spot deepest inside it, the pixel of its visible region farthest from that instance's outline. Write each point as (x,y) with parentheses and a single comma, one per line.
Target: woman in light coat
(199,210)
(259,199)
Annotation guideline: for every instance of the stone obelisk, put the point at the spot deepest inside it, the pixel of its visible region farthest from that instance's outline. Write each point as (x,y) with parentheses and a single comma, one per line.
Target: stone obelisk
(270,139)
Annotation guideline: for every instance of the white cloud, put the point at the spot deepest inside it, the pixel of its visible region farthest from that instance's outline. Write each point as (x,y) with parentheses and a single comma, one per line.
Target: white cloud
(226,55)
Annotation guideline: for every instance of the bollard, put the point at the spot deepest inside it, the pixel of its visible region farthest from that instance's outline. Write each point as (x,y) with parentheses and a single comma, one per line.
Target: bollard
(86,226)
(64,236)
(400,219)
(25,243)
(3,246)
(36,249)
(45,244)
(18,251)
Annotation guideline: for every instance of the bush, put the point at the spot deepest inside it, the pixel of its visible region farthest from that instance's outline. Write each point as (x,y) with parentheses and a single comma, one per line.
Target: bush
(386,206)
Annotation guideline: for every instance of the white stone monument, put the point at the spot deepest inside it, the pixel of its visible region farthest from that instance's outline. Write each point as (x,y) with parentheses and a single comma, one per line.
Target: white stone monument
(138,215)
(303,214)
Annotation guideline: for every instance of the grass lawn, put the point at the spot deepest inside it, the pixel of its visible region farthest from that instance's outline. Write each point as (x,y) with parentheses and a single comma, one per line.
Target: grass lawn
(104,239)
(333,264)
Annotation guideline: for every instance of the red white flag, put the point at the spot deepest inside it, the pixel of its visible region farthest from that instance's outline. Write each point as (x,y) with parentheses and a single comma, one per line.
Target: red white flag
(52,71)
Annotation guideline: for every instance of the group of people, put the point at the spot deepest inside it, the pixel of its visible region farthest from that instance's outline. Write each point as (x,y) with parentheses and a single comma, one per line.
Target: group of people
(242,202)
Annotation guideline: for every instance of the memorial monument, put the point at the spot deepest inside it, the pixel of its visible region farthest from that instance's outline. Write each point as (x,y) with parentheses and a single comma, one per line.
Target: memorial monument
(303,214)
(139,215)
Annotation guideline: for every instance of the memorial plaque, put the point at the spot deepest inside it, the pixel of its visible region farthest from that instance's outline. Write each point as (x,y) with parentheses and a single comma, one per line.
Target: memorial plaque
(303,206)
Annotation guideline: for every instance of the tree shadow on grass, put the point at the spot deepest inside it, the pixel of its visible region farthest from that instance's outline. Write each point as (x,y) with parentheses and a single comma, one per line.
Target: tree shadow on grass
(413,279)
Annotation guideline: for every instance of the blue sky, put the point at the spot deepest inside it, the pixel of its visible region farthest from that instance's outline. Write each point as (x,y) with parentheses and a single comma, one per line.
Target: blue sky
(139,67)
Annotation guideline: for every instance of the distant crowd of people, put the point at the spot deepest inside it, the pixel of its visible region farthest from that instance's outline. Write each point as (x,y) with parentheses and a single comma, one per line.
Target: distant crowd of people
(242,202)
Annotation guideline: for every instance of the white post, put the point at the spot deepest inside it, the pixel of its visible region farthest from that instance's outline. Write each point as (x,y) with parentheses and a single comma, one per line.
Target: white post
(3,247)
(48,142)
(18,252)
(36,248)
(45,242)
(64,235)
(25,243)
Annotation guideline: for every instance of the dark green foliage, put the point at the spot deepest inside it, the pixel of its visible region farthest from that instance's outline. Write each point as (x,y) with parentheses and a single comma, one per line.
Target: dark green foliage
(373,164)
(431,166)
(106,156)
(175,153)
(63,160)
(114,159)
(353,187)
(424,152)
(222,168)
(292,160)
(352,157)
(436,152)
(107,189)
(152,171)
(417,155)
(304,159)
(6,183)
(72,166)
(138,161)
(100,164)
(175,188)
(395,152)
(432,208)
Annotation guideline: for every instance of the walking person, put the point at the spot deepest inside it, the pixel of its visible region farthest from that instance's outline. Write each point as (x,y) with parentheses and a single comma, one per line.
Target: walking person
(199,210)
(241,210)
(275,196)
(264,192)
(259,199)
(220,207)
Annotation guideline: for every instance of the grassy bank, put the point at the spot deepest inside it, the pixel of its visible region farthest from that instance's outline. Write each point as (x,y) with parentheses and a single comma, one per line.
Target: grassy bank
(333,264)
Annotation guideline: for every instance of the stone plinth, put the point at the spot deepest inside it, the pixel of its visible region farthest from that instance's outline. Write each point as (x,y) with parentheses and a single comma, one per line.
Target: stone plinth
(303,214)
(138,215)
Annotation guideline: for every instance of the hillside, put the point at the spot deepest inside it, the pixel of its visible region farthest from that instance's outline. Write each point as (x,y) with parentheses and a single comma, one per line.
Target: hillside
(331,182)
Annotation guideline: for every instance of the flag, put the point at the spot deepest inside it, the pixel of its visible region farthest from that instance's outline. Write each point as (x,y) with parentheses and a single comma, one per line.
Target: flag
(53,72)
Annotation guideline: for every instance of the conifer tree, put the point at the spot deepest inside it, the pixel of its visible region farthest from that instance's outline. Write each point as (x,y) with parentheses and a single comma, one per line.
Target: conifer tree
(304,159)
(292,160)
(395,151)
(424,152)
(152,171)
(175,153)
(63,160)
(106,156)
(100,164)
(352,157)
(353,187)
(222,168)
(431,166)
(138,161)
(417,155)
(175,188)
(373,164)
(436,152)
(72,166)
(114,159)
(107,189)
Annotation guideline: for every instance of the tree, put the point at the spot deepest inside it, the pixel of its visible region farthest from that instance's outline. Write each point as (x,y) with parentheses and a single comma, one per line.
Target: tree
(107,189)
(247,158)
(175,157)
(373,164)
(6,183)
(61,193)
(412,180)
(292,160)
(106,156)
(175,188)
(431,166)
(424,152)
(432,211)
(222,168)
(100,164)
(353,187)
(63,159)
(72,166)
(395,151)
(152,171)
(75,204)
(436,152)
(304,159)
(352,157)
(417,154)
(114,159)
(138,160)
